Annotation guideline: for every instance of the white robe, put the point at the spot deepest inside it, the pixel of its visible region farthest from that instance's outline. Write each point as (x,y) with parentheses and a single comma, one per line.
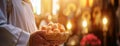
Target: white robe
(15,30)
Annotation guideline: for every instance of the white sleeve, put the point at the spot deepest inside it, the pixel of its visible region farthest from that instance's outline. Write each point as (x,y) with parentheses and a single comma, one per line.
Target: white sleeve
(11,35)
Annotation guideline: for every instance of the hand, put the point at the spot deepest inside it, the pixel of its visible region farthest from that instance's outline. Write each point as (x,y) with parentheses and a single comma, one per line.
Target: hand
(37,40)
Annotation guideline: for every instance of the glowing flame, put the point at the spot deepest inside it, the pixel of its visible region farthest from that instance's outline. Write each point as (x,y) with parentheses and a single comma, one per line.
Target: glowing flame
(84,23)
(55,7)
(36,4)
(69,25)
(105,21)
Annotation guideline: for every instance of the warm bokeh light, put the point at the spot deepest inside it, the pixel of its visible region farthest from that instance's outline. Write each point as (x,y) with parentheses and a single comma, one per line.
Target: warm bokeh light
(49,17)
(91,3)
(88,3)
(73,42)
(55,7)
(70,8)
(69,25)
(84,23)
(83,3)
(36,4)
(86,30)
(105,21)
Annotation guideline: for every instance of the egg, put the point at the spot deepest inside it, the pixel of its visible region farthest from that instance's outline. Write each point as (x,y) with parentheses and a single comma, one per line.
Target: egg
(49,27)
(50,24)
(55,26)
(56,30)
(43,28)
(49,31)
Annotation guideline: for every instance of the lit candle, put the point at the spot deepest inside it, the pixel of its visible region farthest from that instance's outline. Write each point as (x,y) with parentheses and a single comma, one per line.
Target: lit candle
(85,24)
(105,22)
(105,28)
(69,25)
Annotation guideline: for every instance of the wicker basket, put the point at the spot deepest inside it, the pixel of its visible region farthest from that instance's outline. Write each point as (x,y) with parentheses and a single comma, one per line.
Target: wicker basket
(55,38)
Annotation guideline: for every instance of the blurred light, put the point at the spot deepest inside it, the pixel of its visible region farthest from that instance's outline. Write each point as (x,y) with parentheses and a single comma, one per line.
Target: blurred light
(105,21)
(71,6)
(36,4)
(49,17)
(73,42)
(90,3)
(66,12)
(86,30)
(83,3)
(55,7)
(84,23)
(112,2)
(69,25)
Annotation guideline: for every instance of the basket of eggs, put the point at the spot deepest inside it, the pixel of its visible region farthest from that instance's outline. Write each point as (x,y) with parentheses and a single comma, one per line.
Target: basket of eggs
(55,33)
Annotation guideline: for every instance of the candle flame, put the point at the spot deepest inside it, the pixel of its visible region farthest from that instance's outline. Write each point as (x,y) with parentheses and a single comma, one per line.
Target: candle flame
(84,23)
(105,21)
(69,25)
